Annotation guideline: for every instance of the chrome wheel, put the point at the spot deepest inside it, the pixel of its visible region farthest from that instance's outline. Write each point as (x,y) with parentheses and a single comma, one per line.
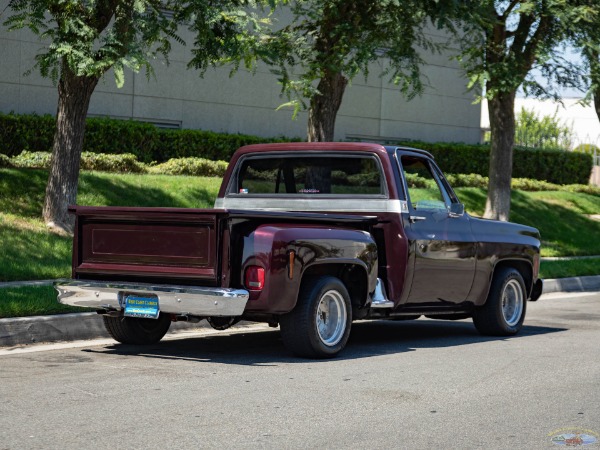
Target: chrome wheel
(504,310)
(319,325)
(331,318)
(512,302)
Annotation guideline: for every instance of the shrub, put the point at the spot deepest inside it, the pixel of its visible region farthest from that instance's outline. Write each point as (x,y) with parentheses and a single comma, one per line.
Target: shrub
(470,180)
(89,161)
(126,163)
(415,181)
(5,161)
(32,160)
(522,184)
(191,166)
(590,149)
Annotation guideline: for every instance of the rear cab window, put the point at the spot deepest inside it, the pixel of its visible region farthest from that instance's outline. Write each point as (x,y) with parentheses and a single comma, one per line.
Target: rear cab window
(309,176)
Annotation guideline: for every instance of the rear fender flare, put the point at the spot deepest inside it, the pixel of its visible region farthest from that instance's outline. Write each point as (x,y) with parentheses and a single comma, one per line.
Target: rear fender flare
(289,252)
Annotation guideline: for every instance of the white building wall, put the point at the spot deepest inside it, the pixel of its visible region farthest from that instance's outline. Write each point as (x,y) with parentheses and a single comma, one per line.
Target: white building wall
(372,109)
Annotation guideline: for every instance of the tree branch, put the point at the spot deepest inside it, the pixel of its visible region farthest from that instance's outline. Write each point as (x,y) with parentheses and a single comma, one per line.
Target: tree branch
(521,34)
(531,48)
(509,10)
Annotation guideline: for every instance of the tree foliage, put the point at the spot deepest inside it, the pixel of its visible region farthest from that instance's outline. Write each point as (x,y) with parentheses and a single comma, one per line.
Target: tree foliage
(92,37)
(585,36)
(508,44)
(545,132)
(328,42)
(86,38)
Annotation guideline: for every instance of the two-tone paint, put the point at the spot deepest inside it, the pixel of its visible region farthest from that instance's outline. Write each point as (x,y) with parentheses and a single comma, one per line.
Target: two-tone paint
(426,261)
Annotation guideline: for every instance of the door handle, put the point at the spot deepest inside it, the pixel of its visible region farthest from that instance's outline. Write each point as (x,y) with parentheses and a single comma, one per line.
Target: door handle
(414,219)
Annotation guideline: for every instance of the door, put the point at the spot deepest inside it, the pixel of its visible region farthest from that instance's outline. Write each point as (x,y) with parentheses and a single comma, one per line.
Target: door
(441,244)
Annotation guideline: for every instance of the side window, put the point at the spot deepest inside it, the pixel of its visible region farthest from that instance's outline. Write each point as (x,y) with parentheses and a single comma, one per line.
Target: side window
(423,189)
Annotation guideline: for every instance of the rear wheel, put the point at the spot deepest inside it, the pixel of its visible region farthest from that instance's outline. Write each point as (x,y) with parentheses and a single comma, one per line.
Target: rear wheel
(319,325)
(504,311)
(133,330)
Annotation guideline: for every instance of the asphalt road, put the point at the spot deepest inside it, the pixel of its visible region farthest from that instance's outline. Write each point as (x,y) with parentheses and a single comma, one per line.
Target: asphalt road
(420,384)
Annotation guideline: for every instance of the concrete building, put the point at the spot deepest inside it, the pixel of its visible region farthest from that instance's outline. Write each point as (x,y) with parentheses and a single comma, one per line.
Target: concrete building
(372,109)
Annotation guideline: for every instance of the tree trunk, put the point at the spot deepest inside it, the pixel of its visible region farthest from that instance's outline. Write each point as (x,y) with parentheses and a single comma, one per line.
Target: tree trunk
(324,107)
(502,123)
(74,94)
(594,60)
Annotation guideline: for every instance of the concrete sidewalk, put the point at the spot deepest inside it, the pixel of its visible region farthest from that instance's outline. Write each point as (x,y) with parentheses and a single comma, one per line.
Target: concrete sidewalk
(74,327)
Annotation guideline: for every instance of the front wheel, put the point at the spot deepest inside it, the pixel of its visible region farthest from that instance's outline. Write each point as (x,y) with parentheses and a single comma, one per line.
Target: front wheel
(133,330)
(319,325)
(504,311)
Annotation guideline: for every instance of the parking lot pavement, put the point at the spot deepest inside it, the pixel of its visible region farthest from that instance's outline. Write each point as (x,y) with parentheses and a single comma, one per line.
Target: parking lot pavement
(417,384)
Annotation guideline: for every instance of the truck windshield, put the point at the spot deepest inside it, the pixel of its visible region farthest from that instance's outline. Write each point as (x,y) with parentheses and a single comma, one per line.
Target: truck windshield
(310,175)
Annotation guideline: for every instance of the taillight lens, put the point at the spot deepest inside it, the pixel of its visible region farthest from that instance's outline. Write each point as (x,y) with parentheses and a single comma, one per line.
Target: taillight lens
(255,278)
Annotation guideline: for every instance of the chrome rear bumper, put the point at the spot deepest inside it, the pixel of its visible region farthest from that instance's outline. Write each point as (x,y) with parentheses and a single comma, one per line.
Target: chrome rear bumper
(181,300)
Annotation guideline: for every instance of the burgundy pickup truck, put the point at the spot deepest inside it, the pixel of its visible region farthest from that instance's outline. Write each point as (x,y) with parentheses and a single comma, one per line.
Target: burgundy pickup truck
(307,237)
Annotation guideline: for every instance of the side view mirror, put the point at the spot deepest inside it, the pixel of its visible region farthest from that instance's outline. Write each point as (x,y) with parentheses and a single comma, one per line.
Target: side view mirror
(456,210)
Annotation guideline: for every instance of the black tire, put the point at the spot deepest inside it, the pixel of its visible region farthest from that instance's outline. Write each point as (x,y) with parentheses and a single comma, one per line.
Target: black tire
(504,310)
(133,330)
(320,300)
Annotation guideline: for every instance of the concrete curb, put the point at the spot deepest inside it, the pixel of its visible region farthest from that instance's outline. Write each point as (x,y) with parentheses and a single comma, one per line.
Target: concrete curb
(8,284)
(574,284)
(77,327)
(64,328)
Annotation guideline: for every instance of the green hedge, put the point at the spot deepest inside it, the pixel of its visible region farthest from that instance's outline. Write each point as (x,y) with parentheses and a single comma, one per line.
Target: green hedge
(26,132)
(102,135)
(150,144)
(559,167)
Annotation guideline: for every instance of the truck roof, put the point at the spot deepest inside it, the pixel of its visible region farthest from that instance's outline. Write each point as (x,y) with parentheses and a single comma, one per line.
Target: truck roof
(327,146)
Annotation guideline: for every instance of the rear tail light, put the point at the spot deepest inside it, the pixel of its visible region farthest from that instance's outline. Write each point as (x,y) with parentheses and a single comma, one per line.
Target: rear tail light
(255,278)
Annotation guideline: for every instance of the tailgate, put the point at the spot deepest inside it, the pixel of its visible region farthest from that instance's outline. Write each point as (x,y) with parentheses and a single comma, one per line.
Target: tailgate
(149,244)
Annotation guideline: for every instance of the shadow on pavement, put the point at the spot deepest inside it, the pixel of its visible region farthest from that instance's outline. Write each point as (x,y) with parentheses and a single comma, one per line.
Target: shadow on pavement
(368,339)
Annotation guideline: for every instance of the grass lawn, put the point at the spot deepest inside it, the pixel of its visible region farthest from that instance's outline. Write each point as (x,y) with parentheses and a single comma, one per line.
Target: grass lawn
(561,217)
(29,251)
(32,301)
(570,268)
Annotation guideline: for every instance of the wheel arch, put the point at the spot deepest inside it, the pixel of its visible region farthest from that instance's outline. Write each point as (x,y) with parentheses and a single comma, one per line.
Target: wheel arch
(353,274)
(524,267)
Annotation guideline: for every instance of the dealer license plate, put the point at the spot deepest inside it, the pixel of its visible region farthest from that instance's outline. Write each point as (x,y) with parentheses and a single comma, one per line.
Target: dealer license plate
(143,307)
